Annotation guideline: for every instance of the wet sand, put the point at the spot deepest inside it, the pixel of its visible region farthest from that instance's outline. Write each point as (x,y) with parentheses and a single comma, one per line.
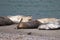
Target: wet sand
(11,33)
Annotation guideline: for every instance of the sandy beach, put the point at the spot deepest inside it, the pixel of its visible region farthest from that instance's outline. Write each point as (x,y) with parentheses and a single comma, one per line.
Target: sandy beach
(11,33)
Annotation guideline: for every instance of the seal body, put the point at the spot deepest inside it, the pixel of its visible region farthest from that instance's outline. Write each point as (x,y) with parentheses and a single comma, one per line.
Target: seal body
(17,18)
(30,24)
(46,20)
(49,26)
(5,21)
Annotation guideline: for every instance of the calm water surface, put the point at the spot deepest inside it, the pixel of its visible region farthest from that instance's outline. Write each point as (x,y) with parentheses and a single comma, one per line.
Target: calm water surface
(35,8)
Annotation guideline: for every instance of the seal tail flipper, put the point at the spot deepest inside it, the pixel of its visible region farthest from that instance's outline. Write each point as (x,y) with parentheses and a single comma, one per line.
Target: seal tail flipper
(19,23)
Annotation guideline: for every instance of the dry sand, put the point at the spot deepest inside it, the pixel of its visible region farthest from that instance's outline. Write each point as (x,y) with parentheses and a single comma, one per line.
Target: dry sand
(11,33)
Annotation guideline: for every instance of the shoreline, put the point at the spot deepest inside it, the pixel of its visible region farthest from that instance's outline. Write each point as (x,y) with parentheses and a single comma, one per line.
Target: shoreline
(9,32)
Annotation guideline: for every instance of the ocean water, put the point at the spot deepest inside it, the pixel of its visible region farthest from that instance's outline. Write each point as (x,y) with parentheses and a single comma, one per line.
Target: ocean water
(35,8)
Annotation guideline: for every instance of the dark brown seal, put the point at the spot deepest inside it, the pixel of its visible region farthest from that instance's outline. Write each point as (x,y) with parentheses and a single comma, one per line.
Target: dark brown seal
(5,21)
(30,24)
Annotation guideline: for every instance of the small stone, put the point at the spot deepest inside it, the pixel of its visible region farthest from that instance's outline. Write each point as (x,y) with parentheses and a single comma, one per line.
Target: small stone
(29,33)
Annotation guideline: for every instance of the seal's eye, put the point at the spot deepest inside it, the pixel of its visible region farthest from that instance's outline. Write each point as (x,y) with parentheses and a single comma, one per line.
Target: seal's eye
(29,19)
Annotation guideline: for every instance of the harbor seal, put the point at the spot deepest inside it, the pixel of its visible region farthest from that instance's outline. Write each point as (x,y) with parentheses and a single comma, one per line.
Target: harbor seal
(50,26)
(5,21)
(28,25)
(46,20)
(17,18)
